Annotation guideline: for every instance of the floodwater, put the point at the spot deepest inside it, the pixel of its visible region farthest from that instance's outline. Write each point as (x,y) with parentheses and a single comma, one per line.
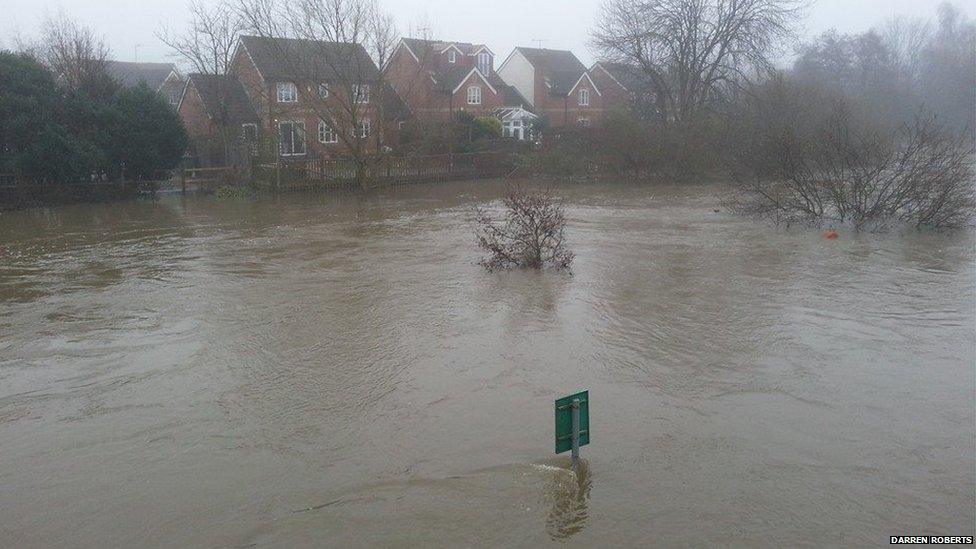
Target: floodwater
(337,371)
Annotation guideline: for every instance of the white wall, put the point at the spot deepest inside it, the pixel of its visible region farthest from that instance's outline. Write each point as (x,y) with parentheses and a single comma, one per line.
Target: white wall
(517,72)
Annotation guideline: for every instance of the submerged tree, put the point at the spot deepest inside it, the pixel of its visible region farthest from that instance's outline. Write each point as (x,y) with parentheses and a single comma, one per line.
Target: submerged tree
(808,156)
(530,234)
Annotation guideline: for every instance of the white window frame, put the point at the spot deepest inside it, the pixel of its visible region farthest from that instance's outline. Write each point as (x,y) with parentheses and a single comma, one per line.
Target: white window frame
(323,91)
(244,128)
(365,128)
(361,93)
(327,133)
(304,141)
(583,122)
(584,97)
(287,92)
(452,56)
(474,95)
(484,63)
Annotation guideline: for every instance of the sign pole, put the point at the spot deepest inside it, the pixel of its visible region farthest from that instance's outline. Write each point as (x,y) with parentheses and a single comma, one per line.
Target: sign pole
(576,432)
(572,424)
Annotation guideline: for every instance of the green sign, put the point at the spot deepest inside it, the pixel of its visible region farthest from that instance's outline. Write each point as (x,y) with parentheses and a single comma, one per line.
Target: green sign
(564,421)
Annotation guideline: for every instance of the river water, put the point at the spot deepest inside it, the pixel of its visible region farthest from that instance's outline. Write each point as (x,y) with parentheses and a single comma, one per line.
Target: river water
(337,370)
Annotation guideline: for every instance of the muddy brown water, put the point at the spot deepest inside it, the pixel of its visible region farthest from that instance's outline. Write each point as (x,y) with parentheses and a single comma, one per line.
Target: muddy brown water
(337,371)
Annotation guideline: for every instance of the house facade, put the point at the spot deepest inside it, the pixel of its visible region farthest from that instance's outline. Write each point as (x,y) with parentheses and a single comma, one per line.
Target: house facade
(559,87)
(218,117)
(313,99)
(438,79)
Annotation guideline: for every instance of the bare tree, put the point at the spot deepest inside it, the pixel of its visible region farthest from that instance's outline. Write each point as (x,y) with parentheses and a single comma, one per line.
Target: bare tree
(907,38)
(332,48)
(844,170)
(530,233)
(208,42)
(691,51)
(207,46)
(77,56)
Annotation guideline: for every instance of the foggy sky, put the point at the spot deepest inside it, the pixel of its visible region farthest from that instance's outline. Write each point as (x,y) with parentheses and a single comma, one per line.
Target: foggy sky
(129,25)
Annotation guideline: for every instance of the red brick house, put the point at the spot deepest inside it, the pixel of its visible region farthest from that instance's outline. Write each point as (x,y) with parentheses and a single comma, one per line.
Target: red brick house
(625,85)
(218,116)
(314,99)
(558,86)
(439,79)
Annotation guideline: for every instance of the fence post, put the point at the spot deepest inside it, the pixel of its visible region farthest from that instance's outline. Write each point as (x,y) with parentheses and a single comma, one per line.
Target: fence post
(183,182)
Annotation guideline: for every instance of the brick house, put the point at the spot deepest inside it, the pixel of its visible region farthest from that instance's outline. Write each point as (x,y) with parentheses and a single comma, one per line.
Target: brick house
(218,116)
(162,78)
(314,99)
(558,86)
(625,85)
(439,79)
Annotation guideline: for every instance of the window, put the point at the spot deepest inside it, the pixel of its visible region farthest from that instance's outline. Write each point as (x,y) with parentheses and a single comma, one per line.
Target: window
(327,133)
(365,128)
(323,91)
(474,95)
(287,92)
(452,56)
(584,98)
(361,93)
(484,63)
(584,122)
(291,138)
(249,133)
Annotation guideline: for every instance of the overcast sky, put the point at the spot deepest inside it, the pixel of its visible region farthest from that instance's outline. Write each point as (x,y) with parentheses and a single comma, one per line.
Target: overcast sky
(129,25)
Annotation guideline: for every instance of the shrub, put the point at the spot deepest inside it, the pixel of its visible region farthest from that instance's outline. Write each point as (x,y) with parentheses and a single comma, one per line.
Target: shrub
(530,234)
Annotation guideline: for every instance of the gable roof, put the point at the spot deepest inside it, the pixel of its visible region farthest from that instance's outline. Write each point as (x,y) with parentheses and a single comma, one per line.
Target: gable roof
(423,49)
(511,97)
(279,59)
(223,92)
(473,71)
(586,76)
(131,75)
(560,68)
(627,76)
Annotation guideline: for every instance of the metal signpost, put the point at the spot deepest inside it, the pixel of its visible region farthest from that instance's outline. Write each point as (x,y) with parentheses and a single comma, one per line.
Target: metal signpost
(573,424)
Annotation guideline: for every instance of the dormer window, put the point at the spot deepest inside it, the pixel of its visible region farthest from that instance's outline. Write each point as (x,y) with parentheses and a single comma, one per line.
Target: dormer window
(287,92)
(323,91)
(484,63)
(474,95)
(452,56)
(584,98)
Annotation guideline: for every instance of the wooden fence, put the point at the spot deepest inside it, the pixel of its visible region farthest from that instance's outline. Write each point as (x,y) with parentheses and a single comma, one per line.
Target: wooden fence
(381,171)
(208,179)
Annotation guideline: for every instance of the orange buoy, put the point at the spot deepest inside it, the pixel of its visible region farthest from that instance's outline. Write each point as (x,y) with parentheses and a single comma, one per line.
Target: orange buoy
(831,235)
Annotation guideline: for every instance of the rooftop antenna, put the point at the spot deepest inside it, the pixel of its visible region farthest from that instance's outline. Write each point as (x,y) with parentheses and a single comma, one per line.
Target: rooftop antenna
(539,41)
